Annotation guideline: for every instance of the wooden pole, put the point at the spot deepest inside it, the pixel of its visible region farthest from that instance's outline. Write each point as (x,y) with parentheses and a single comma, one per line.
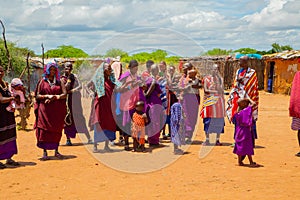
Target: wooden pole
(28,72)
(9,66)
(43,55)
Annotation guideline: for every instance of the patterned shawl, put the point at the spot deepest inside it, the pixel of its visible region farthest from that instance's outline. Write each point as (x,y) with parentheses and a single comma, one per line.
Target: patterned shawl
(247,87)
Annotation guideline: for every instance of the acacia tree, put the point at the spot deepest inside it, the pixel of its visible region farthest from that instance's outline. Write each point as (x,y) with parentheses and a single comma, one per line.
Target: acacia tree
(66,51)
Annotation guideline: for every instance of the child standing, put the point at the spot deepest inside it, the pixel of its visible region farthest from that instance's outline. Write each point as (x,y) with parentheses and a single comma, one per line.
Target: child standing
(244,136)
(177,127)
(139,120)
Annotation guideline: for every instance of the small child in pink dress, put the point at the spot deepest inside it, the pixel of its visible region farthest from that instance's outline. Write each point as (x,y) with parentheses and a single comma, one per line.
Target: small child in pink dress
(17,91)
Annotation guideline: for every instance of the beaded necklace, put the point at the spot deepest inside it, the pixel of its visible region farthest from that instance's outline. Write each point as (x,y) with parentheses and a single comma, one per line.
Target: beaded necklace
(3,88)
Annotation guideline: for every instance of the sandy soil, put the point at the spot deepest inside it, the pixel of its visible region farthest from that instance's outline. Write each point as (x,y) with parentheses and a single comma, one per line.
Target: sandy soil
(202,173)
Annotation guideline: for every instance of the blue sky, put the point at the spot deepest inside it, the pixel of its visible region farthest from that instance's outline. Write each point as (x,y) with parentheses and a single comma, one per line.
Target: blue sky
(185,28)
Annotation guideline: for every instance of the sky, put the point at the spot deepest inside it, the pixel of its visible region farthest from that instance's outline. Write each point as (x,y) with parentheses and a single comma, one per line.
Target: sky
(181,27)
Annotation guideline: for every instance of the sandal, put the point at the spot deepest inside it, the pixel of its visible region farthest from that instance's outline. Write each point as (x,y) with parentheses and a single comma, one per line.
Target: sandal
(44,158)
(95,150)
(297,154)
(2,166)
(178,152)
(254,165)
(69,143)
(58,155)
(12,162)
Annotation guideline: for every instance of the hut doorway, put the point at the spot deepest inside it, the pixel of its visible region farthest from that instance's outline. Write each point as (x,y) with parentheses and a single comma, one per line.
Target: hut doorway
(271,76)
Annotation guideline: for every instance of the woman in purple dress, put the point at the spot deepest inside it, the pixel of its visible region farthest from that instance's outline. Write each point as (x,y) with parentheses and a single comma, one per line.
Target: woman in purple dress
(155,110)
(190,100)
(8,145)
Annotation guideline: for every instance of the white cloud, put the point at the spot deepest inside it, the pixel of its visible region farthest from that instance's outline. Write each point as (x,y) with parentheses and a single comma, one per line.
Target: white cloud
(278,15)
(212,24)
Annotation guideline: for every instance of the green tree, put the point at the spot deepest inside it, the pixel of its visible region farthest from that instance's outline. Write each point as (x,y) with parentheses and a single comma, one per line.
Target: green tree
(246,50)
(113,53)
(64,51)
(159,55)
(18,56)
(218,52)
(276,48)
(172,60)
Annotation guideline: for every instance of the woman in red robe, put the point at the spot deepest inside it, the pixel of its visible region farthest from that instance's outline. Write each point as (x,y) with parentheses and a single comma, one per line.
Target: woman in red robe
(50,110)
(102,118)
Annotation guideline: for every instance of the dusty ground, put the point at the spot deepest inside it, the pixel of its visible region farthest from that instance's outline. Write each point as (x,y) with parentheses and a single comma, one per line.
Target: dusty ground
(194,175)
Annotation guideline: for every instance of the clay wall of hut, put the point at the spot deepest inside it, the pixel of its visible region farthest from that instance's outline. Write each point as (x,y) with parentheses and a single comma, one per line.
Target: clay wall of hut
(283,73)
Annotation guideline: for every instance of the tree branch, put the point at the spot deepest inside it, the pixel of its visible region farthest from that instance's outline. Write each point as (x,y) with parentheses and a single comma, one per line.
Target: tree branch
(9,66)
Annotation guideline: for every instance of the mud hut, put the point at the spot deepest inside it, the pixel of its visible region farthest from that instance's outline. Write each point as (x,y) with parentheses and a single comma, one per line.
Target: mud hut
(228,66)
(280,70)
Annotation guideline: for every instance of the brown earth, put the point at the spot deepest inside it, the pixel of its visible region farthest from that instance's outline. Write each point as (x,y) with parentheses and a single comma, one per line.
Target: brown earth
(194,175)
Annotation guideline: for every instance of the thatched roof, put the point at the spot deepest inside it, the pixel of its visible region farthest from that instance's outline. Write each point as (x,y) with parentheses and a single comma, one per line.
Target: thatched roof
(283,55)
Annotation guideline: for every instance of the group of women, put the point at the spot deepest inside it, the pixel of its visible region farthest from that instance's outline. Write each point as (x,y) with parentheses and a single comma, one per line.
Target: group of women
(159,88)
(58,105)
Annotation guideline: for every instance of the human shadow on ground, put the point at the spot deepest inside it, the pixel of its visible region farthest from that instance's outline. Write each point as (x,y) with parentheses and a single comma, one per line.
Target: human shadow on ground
(75,144)
(251,166)
(22,164)
(108,151)
(259,147)
(64,157)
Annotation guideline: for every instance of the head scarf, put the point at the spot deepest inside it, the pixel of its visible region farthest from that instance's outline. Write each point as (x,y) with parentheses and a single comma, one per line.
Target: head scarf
(116,66)
(98,80)
(47,70)
(16,82)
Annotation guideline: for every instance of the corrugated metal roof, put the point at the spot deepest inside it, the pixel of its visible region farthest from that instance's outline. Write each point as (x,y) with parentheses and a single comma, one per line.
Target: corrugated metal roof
(283,55)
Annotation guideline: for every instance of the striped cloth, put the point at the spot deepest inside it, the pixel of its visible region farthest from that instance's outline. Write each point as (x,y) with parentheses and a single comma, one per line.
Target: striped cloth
(163,96)
(213,103)
(245,86)
(295,124)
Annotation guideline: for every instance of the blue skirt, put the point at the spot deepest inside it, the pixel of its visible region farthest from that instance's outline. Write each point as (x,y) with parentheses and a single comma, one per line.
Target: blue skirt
(103,135)
(214,125)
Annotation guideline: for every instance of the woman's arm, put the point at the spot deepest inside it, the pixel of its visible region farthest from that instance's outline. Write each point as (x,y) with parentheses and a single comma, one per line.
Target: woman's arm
(150,89)
(5,99)
(206,89)
(79,86)
(124,87)
(63,95)
(40,96)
